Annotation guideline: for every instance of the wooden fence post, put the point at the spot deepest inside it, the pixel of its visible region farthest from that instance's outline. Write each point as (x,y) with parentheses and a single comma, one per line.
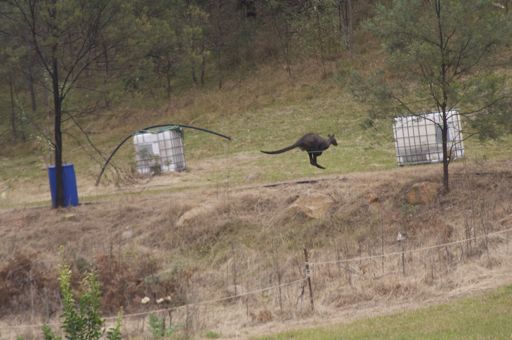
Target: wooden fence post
(401,238)
(308,278)
(403,257)
(507,241)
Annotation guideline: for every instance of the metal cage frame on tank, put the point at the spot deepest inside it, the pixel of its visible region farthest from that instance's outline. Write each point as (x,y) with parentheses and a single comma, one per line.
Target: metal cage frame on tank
(147,153)
(159,150)
(172,150)
(418,138)
(171,144)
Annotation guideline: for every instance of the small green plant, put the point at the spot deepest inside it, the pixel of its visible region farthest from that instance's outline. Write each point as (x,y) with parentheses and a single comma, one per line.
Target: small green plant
(48,333)
(158,329)
(81,320)
(115,332)
(409,209)
(212,335)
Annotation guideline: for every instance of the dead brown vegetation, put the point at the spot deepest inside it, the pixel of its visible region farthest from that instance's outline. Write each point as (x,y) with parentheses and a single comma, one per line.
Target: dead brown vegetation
(250,239)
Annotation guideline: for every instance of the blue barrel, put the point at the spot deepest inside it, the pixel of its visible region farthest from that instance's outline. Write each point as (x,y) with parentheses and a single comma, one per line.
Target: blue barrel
(69,180)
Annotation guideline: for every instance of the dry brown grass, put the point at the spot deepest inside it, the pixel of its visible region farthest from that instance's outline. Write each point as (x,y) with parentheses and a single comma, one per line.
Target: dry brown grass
(152,245)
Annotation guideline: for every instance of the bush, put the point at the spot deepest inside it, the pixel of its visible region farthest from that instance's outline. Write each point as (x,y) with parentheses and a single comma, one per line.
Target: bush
(82,319)
(157,326)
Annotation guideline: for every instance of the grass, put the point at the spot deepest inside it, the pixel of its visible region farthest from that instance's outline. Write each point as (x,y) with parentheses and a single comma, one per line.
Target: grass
(266,110)
(483,317)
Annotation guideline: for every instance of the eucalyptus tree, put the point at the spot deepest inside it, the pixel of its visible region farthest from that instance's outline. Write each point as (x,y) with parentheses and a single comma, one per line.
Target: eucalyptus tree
(8,59)
(170,40)
(445,55)
(11,56)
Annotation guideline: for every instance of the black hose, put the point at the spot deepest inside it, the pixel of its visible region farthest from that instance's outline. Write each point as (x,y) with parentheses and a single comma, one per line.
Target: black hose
(146,130)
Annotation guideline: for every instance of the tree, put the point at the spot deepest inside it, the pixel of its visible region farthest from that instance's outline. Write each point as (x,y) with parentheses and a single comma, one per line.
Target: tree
(65,36)
(444,55)
(193,40)
(218,34)
(11,56)
(283,20)
(161,40)
(345,18)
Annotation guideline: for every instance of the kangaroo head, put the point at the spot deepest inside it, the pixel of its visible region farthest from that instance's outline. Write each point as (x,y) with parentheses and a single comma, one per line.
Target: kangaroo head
(332,140)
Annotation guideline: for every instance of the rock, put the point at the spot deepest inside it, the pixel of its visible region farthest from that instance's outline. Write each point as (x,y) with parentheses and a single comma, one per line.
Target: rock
(262,316)
(127,234)
(252,176)
(422,193)
(70,217)
(373,198)
(313,205)
(195,212)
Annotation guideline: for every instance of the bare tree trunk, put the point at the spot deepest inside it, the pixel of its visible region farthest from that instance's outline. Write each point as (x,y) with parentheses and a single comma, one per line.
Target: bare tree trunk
(47,116)
(57,104)
(108,102)
(285,43)
(219,41)
(219,67)
(168,78)
(33,98)
(345,15)
(203,68)
(446,155)
(320,41)
(57,107)
(194,77)
(12,119)
(443,103)
(31,88)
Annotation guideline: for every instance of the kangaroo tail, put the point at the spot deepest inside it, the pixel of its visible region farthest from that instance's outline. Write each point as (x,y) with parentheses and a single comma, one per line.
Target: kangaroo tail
(288,148)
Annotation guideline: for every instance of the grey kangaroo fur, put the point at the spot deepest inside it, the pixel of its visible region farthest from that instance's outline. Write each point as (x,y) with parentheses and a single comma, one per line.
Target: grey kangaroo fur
(312,143)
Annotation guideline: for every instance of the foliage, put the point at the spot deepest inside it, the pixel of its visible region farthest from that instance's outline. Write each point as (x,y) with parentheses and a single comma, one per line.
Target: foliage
(48,333)
(115,332)
(157,326)
(445,52)
(82,319)
(212,335)
(443,57)
(154,52)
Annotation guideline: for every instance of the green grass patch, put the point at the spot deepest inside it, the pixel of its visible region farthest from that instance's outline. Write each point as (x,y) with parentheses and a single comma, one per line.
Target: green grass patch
(482,317)
(267,112)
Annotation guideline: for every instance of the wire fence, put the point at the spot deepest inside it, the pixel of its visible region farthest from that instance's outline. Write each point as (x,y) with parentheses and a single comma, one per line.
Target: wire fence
(290,297)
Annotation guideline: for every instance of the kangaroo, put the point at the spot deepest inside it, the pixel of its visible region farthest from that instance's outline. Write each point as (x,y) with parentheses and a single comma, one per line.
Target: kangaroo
(312,143)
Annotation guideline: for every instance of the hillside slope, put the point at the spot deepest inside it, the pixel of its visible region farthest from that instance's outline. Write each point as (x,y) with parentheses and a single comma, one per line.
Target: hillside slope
(264,109)
(198,245)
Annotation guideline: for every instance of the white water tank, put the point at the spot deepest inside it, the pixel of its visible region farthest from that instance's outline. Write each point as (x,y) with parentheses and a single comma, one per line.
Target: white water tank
(159,150)
(147,153)
(418,138)
(170,144)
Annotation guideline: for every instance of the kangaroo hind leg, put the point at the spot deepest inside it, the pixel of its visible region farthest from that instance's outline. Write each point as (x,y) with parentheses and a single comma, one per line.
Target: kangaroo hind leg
(314,162)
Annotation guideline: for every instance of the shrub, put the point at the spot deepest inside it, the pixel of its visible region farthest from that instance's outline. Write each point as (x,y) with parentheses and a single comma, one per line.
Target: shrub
(82,319)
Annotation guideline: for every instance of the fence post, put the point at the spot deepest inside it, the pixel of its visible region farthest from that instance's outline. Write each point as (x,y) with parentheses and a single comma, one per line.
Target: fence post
(403,258)
(507,236)
(401,239)
(308,278)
